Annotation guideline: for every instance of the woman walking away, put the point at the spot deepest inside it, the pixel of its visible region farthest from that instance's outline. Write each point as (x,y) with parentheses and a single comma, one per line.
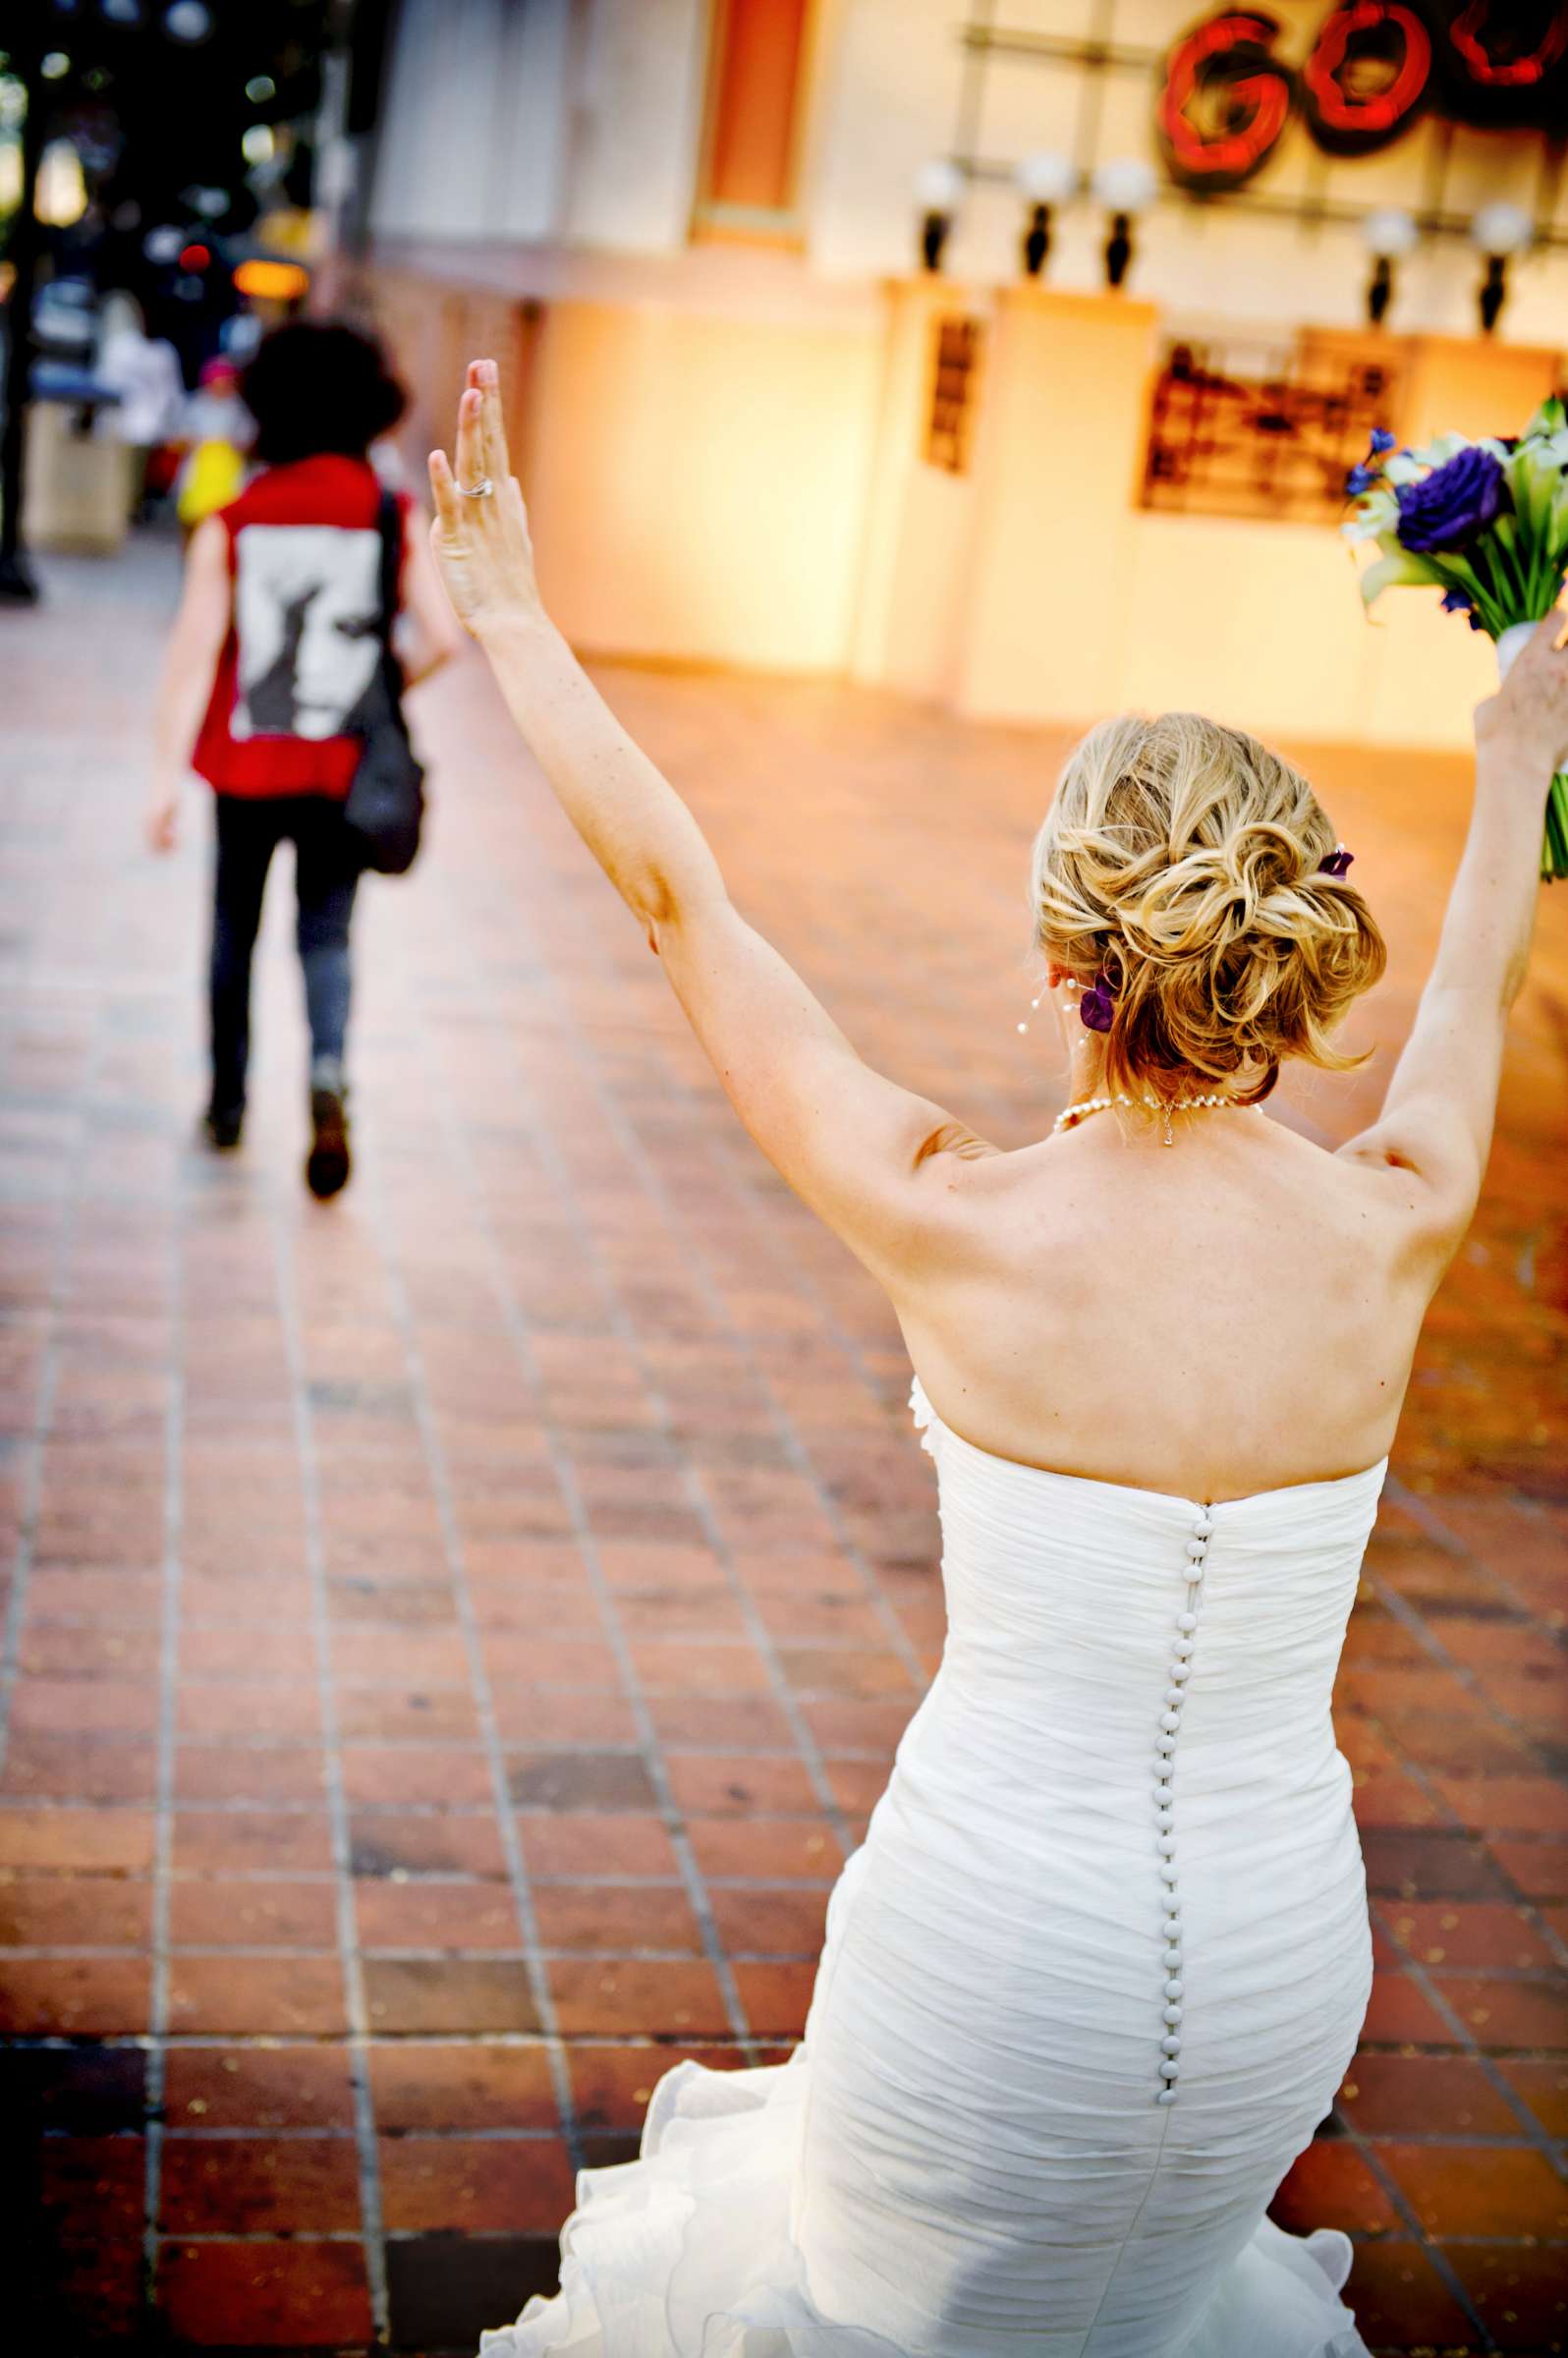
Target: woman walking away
(1096,1971)
(271,671)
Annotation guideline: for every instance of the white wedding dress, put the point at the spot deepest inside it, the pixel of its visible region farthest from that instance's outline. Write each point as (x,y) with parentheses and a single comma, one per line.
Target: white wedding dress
(1090,1984)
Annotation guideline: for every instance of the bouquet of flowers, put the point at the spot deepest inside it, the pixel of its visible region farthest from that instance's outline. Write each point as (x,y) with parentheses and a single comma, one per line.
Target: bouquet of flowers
(1486,521)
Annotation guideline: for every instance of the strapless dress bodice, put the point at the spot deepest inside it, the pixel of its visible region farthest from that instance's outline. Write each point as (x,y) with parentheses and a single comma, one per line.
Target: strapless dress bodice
(1095,1630)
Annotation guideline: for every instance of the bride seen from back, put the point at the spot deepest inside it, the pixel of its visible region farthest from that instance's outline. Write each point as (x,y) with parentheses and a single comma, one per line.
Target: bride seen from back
(1095,1975)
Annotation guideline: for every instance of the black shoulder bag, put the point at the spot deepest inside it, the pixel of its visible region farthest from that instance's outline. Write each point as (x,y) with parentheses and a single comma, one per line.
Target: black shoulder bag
(385,807)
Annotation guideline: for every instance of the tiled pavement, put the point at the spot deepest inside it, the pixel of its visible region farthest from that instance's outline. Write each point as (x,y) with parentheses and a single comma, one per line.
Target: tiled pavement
(458,1633)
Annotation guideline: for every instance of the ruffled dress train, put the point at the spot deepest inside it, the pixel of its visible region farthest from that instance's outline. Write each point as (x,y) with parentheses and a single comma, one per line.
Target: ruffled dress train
(1089,1986)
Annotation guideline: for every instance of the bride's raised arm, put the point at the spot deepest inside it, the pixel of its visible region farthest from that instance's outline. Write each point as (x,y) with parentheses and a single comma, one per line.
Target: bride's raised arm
(855,1146)
(1436,1121)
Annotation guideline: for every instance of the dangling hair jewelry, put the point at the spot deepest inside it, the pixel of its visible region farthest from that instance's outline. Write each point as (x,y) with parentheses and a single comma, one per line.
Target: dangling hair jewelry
(1337,862)
(1096,1007)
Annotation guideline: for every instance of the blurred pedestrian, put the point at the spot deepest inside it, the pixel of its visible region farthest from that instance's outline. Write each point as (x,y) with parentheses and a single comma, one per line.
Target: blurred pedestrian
(144,371)
(216,428)
(271,669)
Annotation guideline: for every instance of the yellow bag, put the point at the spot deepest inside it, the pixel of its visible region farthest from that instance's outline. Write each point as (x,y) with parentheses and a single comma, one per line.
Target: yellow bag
(211,477)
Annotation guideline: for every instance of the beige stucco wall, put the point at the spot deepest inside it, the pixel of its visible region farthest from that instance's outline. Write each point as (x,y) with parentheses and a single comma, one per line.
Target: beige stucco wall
(747,485)
(698,485)
(1080,601)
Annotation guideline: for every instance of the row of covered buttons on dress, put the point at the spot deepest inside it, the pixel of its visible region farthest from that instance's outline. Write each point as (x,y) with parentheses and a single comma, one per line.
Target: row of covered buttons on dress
(1181,1665)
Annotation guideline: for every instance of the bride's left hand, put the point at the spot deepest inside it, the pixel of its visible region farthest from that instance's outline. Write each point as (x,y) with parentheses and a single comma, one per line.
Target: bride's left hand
(483,545)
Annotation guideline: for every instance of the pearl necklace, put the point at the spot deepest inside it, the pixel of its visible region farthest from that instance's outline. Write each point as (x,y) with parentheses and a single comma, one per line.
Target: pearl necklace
(1071,1115)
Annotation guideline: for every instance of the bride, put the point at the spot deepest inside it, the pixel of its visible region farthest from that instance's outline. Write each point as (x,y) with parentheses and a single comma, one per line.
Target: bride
(1095,1975)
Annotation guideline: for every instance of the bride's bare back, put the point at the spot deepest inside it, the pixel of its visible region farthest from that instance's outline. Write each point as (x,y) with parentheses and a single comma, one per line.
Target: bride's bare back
(1232,1314)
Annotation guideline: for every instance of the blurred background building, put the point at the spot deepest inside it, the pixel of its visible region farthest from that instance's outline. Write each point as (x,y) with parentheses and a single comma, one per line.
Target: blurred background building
(1012,358)
(754,430)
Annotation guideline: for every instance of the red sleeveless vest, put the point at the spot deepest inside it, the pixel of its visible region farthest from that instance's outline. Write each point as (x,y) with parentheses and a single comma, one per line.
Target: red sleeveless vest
(304,638)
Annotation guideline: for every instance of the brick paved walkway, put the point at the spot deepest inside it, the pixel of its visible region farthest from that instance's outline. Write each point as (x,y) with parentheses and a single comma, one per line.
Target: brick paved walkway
(458,1632)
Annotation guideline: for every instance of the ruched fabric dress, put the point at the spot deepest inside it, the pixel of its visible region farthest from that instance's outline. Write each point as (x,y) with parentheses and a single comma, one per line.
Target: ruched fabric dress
(1090,1984)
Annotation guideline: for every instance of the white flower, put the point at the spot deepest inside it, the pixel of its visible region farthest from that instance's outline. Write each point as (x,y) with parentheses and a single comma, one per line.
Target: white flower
(1538,476)
(1449,446)
(1396,565)
(1548,450)
(1375,512)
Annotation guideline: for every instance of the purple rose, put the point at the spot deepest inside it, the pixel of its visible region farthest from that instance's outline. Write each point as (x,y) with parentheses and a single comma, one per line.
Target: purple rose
(1452,504)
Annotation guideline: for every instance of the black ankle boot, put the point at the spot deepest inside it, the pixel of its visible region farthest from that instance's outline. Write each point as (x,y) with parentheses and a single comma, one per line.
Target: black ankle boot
(222,1127)
(327,1166)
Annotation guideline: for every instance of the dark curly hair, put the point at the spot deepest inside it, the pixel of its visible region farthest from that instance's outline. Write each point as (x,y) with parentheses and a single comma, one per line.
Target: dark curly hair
(316,386)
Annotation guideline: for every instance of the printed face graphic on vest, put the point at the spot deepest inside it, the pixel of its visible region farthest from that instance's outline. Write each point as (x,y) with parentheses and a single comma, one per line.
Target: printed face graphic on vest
(307,619)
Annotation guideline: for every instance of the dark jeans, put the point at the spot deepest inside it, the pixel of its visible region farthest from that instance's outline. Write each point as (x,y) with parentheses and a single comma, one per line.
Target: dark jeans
(248,831)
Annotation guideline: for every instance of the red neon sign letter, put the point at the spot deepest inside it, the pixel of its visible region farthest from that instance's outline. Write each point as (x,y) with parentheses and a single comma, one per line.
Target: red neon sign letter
(1479,35)
(1214,75)
(1349,109)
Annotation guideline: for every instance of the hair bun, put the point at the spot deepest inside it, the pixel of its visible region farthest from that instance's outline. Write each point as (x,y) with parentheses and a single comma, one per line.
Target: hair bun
(1187,859)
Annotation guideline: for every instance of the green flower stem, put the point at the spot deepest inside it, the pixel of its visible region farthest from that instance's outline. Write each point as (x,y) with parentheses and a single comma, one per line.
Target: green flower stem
(1502,551)
(1554,849)
(1493,620)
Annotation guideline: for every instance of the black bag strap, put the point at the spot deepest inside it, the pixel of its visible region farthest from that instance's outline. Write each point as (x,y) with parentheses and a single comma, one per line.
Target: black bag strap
(389,524)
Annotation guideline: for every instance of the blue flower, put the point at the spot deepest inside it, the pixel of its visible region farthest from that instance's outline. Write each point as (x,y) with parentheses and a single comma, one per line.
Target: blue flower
(1453,504)
(1363,475)
(1460,601)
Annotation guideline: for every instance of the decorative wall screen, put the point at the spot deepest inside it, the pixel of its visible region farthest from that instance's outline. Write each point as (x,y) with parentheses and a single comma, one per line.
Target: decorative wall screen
(955,364)
(1274,436)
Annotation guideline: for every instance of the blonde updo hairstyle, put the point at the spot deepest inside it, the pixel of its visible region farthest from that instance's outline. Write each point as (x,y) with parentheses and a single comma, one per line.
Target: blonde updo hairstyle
(1183,863)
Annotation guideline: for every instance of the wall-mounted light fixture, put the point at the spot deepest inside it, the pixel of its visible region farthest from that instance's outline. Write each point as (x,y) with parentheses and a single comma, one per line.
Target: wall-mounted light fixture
(1388,234)
(1043,181)
(1126,188)
(1498,231)
(938,194)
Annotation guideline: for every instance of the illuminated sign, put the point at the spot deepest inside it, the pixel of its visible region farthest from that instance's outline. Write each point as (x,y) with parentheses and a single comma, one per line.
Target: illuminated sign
(1226,99)
(266,281)
(1366,75)
(1373,66)
(1499,53)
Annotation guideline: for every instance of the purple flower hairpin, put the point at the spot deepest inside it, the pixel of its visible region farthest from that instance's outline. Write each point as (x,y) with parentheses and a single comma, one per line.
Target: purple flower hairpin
(1097,1006)
(1337,862)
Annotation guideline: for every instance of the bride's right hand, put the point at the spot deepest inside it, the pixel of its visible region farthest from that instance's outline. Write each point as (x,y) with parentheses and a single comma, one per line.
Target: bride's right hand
(1526,722)
(483,545)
